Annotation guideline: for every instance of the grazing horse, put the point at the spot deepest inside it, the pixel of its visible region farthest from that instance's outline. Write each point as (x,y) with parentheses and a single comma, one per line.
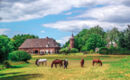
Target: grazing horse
(97,61)
(65,63)
(57,61)
(43,61)
(82,63)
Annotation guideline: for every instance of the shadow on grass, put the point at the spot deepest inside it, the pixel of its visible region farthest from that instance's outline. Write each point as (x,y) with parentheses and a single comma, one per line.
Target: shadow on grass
(4,74)
(21,77)
(16,66)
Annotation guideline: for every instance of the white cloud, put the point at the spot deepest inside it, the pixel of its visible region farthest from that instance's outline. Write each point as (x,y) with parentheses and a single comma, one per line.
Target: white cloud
(4,31)
(118,14)
(63,40)
(77,25)
(114,14)
(18,10)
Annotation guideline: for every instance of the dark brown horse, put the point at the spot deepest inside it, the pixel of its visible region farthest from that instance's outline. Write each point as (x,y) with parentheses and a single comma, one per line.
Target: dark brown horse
(57,61)
(97,61)
(65,64)
(82,62)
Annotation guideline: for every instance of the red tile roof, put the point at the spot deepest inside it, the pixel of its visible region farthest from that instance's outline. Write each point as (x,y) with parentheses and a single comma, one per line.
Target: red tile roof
(39,43)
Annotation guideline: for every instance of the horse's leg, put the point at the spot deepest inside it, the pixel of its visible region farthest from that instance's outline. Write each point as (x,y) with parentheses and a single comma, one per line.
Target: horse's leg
(37,63)
(56,65)
(51,65)
(61,65)
(42,63)
(93,63)
(65,66)
(101,63)
(46,63)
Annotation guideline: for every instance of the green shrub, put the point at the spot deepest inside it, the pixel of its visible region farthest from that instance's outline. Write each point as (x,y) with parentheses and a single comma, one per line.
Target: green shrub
(91,51)
(6,64)
(19,56)
(83,49)
(86,52)
(74,50)
(118,51)
(103,50)
(64,50)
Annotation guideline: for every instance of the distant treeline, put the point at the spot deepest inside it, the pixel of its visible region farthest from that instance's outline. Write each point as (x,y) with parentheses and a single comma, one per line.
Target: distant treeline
(96,37)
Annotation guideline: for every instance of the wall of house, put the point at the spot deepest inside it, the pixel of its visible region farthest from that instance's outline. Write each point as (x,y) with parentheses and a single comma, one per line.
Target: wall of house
(41,50)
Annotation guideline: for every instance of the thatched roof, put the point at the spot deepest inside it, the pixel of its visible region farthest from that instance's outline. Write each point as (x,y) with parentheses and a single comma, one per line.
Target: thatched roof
(39,43)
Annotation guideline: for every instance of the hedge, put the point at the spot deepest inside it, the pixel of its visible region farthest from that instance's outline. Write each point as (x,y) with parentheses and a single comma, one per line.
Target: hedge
(19,56)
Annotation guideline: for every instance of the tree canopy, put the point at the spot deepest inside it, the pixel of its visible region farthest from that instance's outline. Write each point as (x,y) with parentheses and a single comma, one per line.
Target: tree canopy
(5,47)
(89,39)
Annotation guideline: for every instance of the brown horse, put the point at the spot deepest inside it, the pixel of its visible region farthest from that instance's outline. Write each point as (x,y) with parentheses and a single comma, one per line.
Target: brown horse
(97,61)
(57,61)
(82,62)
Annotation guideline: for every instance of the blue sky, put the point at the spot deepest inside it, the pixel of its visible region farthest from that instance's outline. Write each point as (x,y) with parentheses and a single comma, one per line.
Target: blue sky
(59,18)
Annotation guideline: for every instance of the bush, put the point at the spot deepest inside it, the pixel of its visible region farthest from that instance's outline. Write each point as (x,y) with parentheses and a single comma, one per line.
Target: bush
(19,56)
(83,49)
(86,52)
(91,52)
(103,50)
(6,64)
(113,50)
(64,50)
(74,50)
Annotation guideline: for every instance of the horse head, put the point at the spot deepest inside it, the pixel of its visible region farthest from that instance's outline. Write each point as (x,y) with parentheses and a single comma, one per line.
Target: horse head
(36,62)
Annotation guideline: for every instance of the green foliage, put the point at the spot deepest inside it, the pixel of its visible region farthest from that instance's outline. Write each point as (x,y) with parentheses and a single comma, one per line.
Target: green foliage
(113,35)
(96,37)
(113,50)
(6,64)
(103,50)
(19,56)
(84,48)
(64,50)
(94,41)
(5,47)
(124,39)
(83,36)
(74,50)
(17,40)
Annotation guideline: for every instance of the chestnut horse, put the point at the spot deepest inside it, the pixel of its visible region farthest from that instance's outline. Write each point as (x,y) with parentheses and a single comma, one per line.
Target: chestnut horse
(97,61)
(57,61)
(82,62)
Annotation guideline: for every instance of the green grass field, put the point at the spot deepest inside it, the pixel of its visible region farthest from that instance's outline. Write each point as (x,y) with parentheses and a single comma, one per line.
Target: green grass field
(115,67)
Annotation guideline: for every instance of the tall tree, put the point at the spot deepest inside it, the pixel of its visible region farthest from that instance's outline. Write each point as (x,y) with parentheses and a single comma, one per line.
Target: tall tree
(124,39)
(5,47)
(94,41)
(113,35)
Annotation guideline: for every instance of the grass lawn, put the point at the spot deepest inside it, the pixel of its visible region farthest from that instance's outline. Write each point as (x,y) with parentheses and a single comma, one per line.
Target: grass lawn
(115,67)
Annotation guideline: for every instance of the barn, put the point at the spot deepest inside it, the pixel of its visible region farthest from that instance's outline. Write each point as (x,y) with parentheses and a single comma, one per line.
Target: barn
(40,46)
